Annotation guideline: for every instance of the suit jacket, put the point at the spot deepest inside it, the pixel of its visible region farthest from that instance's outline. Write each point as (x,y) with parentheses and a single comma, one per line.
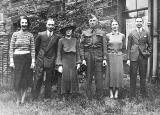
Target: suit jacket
(46,47)
(139,43)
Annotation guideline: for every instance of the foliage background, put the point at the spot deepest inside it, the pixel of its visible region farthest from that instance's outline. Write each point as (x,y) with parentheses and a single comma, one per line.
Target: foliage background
(76,13)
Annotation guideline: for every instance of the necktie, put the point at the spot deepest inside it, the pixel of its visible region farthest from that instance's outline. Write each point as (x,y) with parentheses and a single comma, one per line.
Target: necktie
(92,31)
(139,30)
(50,34)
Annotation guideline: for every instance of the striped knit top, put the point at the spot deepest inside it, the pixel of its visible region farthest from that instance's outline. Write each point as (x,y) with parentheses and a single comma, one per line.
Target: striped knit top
(22,43)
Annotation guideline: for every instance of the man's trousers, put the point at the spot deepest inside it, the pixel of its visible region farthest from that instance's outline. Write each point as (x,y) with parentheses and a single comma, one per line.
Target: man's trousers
(47,81)
(141,65)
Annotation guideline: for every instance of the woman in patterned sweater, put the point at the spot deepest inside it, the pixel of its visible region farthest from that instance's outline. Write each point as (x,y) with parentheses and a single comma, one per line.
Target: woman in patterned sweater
(22,58)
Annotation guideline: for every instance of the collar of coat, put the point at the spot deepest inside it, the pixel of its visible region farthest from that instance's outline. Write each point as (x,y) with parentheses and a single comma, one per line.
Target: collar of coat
(88,32)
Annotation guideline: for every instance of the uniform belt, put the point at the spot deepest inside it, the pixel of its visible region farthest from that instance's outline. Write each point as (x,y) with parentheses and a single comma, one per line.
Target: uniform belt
(114,51)
(92,46)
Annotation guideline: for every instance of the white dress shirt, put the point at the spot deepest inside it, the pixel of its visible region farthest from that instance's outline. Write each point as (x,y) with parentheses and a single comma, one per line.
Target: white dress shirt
(49,33)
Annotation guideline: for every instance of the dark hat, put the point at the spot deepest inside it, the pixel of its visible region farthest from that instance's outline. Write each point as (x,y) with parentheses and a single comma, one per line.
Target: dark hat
(68,27)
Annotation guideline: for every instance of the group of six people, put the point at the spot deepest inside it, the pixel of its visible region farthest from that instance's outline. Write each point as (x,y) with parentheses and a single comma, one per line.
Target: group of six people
(102,54)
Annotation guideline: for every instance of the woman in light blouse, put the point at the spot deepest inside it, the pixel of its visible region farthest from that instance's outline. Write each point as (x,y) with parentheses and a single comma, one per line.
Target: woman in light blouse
(22,58)
(116,48)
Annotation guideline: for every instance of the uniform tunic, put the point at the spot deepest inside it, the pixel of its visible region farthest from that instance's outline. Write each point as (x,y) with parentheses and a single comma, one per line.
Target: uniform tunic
(116,47)
(93,50)
(68,57)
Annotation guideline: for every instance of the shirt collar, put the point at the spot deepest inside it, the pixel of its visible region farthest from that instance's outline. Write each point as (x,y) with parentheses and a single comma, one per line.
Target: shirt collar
(49,33)
(139,29)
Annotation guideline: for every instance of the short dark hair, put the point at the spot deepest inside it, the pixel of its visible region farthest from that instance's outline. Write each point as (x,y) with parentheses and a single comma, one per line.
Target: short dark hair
(140,18)
(50,18)
(113,20)
(90,16)
(23,17)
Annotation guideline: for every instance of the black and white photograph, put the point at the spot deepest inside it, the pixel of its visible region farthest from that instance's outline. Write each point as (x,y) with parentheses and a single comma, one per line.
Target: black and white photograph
(79,57)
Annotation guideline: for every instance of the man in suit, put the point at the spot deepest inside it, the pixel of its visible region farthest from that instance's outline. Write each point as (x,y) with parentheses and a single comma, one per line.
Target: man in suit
(139,49)
(46,53)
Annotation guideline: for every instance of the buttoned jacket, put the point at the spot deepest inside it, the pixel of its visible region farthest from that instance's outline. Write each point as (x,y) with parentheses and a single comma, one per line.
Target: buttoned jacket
(139,43)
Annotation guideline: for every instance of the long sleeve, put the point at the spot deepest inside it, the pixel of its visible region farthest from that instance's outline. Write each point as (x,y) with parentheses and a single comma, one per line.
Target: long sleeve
(12,45)
(59,53)
(78,52)
(105,47)
(124,51)
(32,48)
(37,44)
(124,44)
(149,43)
(82,56)
(129,46)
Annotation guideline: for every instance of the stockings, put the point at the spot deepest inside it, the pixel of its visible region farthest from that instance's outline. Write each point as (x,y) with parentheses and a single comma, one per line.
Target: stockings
(21,95)
(113,92)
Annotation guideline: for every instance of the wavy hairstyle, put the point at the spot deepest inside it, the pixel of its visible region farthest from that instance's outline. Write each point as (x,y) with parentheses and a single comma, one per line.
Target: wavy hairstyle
(23,17)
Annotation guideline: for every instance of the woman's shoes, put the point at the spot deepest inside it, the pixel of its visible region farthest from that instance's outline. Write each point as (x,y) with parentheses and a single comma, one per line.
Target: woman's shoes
(115,96)
(23,97)
(111,94)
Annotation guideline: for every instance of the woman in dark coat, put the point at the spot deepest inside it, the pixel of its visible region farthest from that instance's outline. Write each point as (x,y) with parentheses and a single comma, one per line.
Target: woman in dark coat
(67,60)
(116,48)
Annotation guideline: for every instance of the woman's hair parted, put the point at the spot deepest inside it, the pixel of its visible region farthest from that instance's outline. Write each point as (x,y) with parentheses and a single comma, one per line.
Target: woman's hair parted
(113,20)
(23,17)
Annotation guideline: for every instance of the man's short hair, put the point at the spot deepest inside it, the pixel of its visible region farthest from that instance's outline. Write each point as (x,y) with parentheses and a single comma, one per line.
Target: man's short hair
(140,18)
(50,18)
(90,16)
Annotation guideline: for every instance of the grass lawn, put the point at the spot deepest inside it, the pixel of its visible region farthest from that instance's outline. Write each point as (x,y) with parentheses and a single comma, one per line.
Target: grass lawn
(82,106)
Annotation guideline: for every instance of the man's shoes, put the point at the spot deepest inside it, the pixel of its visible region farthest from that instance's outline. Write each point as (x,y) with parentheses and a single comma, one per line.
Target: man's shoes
(144,96)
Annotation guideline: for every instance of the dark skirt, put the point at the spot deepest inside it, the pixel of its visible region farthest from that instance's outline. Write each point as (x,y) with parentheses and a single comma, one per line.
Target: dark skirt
(115,70)
(22,73)
(69,82)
